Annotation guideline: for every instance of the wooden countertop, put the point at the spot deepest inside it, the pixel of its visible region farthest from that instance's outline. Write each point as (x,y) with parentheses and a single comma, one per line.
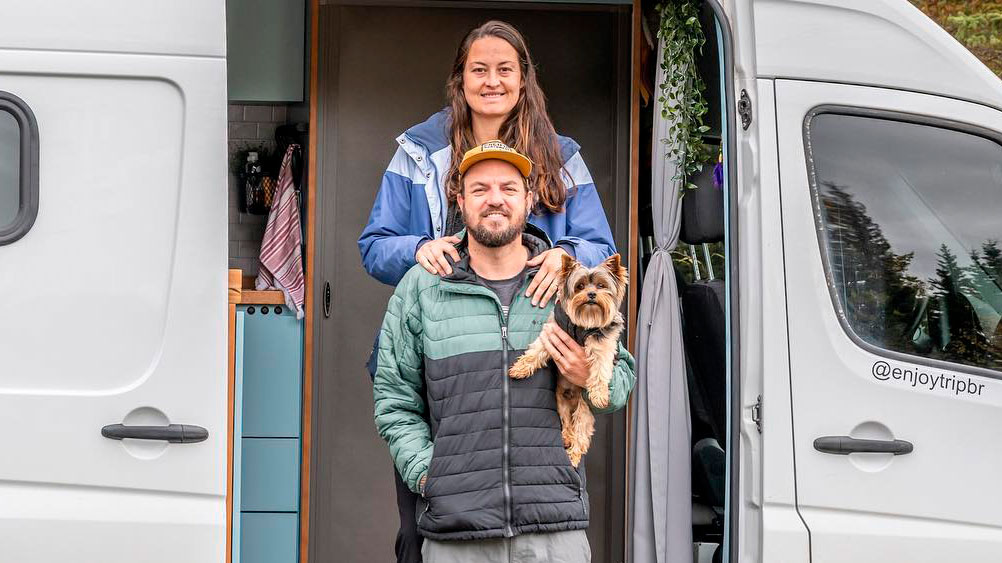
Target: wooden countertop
(242,291)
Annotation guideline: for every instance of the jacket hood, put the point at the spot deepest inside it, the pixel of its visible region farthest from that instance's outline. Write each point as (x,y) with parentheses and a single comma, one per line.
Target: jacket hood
(432,132)
(433,135)
(533,238)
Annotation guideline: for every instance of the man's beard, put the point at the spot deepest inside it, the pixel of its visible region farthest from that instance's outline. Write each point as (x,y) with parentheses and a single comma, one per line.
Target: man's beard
(495,239)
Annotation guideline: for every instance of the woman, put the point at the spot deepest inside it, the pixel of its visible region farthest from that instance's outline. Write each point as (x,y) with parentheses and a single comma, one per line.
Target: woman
(493,93)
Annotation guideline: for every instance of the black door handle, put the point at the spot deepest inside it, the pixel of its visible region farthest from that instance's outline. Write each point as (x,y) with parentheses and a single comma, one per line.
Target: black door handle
(845,445)
(174,433)
(327,300)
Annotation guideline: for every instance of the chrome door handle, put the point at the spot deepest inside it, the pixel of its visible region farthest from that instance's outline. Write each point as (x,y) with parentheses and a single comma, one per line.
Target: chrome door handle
(845,445)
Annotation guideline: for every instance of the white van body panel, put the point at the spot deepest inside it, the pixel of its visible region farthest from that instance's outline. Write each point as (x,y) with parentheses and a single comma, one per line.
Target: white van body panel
(114,307)
(177,27)
(938,502)
(888,43)
(741,18)
(769,528)
(854,515)
(784,535)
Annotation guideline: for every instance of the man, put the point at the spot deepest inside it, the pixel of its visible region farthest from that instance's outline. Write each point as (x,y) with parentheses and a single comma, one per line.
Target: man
(496,482)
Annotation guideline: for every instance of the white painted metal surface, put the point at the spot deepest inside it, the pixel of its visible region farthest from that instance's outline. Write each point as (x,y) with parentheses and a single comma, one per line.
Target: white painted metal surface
(753,276)
(886,43)
(853,516)
(113,306)
(939,502)
(178,27)
(784,535)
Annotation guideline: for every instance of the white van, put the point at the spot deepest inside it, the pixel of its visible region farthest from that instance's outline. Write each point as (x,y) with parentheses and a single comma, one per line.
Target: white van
(863,303)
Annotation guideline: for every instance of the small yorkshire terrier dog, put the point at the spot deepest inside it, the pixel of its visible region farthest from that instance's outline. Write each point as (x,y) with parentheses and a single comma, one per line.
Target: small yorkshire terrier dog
(588,311)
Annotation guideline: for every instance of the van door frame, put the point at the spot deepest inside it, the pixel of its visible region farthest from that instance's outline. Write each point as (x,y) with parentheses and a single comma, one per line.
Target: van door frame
(731,532)
(633,224)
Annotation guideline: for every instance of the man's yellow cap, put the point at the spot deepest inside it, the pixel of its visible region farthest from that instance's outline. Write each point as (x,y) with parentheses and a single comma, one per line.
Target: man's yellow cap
(498,151)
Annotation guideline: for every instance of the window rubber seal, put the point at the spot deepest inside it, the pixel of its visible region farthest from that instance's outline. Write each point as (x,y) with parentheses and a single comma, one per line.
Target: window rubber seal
(28,168)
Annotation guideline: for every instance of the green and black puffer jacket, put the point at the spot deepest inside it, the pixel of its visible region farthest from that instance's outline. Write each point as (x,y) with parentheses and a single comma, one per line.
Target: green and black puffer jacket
(493,454)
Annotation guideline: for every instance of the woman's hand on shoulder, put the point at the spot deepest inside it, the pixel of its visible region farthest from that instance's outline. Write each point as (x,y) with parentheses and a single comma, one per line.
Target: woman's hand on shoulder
(431,255)
(546,282)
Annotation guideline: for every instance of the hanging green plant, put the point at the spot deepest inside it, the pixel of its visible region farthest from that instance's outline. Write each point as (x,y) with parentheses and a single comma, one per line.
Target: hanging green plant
(681,96)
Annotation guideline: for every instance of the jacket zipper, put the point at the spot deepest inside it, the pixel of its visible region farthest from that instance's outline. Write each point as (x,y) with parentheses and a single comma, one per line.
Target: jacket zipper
(505,476)
(427,505)
(439,188)
(506,406)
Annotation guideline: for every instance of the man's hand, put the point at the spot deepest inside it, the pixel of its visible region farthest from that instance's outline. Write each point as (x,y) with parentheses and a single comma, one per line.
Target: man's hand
(546,282)
(431,255)
(566,353)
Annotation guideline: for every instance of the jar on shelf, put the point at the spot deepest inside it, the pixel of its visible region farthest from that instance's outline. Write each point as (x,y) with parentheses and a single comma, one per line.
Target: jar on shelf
(258,189)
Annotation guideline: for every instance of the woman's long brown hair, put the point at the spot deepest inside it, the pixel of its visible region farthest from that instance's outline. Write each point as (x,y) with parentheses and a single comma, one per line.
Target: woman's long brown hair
(527,129)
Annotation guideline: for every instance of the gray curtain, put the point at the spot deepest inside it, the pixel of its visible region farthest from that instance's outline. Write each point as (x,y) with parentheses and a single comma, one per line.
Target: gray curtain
(660,480)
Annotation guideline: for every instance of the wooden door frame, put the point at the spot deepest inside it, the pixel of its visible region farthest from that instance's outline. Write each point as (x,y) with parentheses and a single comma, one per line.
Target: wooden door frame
(313,11)
(311,221)
(633,259)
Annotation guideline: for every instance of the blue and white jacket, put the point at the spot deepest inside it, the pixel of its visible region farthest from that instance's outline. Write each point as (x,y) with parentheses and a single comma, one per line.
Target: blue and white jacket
(411,205)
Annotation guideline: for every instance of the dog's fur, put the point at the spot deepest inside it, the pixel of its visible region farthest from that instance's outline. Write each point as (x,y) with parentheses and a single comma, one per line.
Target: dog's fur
(590,299)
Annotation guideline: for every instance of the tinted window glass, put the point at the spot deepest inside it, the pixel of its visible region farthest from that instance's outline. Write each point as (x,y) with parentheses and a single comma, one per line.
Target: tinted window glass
(10,158)
(912,219)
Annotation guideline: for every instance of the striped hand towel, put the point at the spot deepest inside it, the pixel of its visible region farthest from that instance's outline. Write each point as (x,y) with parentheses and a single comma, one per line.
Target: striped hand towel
(281,254)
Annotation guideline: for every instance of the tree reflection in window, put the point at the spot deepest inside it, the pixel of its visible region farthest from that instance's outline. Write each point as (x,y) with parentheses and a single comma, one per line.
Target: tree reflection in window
(954,311)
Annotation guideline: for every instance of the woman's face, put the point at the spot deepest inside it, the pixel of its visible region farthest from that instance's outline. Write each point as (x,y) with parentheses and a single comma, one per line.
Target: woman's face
(492,78)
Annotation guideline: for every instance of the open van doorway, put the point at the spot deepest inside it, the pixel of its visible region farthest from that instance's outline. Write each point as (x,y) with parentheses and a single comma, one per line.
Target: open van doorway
(381,69)
(685,472)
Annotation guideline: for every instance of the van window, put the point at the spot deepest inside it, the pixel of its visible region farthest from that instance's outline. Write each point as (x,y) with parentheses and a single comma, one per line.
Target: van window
(10,168)
(911,233)
(18,168)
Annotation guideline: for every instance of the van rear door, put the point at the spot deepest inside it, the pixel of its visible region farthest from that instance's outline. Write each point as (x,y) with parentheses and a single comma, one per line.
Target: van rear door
(890,206)
(112,295)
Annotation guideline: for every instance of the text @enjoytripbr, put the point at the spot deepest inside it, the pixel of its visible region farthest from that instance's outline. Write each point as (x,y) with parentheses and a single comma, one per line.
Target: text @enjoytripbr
(921,378)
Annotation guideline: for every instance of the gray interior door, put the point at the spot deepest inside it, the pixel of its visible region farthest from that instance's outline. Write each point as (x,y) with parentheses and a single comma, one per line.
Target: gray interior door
(383,69)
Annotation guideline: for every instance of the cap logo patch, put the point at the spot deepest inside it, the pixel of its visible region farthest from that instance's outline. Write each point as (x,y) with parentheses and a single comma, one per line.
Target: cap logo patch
(495,146)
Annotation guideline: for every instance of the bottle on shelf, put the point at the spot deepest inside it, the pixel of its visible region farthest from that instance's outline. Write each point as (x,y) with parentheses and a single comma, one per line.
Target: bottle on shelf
(252,180)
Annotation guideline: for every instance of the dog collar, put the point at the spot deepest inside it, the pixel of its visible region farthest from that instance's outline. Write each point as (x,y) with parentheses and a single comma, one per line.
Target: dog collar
(574,331)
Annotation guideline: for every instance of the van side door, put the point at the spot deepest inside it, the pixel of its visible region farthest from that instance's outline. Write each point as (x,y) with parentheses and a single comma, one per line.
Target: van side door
(113,386)
(891,206)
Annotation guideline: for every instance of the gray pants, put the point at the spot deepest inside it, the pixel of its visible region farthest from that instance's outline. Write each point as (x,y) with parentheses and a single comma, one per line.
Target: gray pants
(558,547)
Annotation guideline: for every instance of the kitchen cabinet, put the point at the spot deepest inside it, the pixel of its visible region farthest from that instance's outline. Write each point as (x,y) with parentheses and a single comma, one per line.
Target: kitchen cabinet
(265,50)
(267,376)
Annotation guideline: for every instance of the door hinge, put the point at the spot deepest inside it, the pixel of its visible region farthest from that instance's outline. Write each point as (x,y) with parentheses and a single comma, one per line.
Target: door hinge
(756,413)
(745,109)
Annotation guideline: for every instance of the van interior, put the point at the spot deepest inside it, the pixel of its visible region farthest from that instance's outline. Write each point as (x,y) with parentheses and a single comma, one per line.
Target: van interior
(702,264)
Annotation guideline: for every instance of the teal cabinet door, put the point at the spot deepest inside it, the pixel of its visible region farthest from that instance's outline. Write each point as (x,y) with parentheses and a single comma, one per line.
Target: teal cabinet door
(269,538)
(267,459)
(269,479)
(272,373)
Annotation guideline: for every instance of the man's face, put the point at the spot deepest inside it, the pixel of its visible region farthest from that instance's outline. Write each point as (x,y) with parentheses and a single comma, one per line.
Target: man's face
(495,202)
